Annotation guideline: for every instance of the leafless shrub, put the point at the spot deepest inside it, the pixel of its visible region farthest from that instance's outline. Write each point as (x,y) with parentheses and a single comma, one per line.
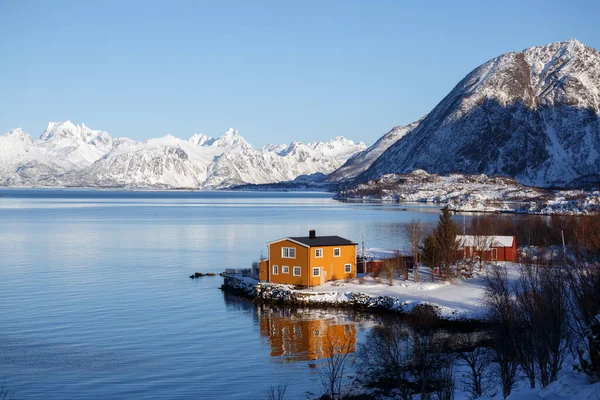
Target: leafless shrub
(384,356)
(415,233)
(477,381)
(444,382)
(542,329)
(427,356)
(361,280)
(389,268)
(337,351)
(502,314)
(584,283)
(277,392)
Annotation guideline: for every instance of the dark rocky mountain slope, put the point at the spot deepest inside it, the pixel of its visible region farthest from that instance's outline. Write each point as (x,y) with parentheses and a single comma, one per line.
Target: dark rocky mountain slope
(531,115)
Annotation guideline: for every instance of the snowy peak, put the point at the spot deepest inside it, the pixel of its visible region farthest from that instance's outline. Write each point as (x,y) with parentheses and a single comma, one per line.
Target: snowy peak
(75,155)
(532,115)
(60,131)
(68,134)
(19,135)
(200,139)
(231,138)
(336,146)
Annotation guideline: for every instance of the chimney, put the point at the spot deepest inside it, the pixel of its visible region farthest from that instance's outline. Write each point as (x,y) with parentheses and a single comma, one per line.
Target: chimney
(312,234)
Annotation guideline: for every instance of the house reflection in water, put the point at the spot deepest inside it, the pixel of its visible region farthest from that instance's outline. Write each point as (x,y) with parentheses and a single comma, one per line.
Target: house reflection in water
(298,337)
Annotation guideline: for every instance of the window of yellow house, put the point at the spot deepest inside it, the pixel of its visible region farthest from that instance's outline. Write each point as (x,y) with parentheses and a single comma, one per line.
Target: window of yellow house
(285,269)
(318,253)
(317,271)
(296,271)
(275,270)
(288,252)
(337,251)
(348,268)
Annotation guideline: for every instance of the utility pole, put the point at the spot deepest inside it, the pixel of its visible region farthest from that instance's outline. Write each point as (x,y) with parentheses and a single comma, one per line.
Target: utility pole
(363,255)
(562,234)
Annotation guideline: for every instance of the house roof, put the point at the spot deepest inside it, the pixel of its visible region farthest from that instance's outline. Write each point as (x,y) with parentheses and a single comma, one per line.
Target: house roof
(318,241)
(323,241)
(489,241)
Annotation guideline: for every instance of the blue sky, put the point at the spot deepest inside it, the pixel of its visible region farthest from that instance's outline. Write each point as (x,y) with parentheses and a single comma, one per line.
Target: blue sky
(277,71)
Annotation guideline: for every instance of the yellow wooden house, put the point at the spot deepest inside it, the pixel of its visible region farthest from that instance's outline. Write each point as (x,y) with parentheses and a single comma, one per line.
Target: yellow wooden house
(309,260)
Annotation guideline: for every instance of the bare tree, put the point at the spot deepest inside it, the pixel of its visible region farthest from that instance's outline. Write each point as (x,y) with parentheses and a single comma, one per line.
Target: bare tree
(476,358)
(415,234)
(427,357)
(444,382)
(482,243)
(389,266)
(277,392)
(384,358)
(481,229)
(584,283)
(525,336)
(543,334)
(401,263)
(337,351)
(501,307)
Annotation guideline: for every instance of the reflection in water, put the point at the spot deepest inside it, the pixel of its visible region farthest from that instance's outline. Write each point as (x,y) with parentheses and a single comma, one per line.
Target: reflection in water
(296,336)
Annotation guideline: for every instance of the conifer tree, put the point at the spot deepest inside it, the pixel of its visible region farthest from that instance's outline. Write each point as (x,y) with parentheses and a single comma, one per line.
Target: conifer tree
(445,236)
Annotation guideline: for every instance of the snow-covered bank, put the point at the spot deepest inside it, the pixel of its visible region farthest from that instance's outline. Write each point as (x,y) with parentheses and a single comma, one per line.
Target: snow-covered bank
(474,193)
(461,299)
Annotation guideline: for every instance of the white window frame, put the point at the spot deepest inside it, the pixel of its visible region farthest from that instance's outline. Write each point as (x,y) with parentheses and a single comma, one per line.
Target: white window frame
(275,270)
(285,269)
(339,251)
(298,269)
(317,253)
(346,267)
(318,269)
(286,252)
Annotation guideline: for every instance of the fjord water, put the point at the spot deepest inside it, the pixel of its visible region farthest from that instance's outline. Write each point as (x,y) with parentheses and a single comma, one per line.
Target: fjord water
(96,303)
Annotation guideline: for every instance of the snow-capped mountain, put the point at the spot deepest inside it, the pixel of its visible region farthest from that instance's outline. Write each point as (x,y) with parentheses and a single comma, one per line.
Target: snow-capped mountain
(532,115)
(74,146)
(75,155)
(360,162)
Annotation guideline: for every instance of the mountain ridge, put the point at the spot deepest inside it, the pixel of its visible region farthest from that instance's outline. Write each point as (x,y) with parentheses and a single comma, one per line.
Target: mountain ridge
(78,156)
(532,115)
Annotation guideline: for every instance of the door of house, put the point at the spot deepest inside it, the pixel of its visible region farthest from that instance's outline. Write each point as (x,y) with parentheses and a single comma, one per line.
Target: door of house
(323,276)
(494,254)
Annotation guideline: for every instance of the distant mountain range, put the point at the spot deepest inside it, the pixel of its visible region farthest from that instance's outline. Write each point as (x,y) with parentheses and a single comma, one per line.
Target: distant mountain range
(68,155)
(533,116)
(530,115)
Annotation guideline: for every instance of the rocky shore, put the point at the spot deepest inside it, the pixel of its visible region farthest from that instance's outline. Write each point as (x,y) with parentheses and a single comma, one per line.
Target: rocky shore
(288,295)
(473,193)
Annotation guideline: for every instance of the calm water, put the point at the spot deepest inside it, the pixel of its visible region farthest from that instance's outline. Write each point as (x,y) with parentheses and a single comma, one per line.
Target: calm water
(96,303)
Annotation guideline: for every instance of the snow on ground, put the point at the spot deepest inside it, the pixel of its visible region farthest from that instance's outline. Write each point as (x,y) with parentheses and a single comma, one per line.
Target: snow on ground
(474,193)
(459,299)
(570,384)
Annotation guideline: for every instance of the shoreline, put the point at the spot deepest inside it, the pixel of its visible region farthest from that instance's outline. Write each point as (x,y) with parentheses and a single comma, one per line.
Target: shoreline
(276,294)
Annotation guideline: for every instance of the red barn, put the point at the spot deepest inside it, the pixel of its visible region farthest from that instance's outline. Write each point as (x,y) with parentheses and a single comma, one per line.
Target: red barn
(490,248)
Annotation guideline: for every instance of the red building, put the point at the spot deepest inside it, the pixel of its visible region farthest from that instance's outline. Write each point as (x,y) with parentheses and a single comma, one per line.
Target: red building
(374,265)
(490,248)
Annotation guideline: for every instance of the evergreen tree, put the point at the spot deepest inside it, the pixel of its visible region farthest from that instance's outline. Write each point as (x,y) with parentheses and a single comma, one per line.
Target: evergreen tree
(445,236)
(430,253)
